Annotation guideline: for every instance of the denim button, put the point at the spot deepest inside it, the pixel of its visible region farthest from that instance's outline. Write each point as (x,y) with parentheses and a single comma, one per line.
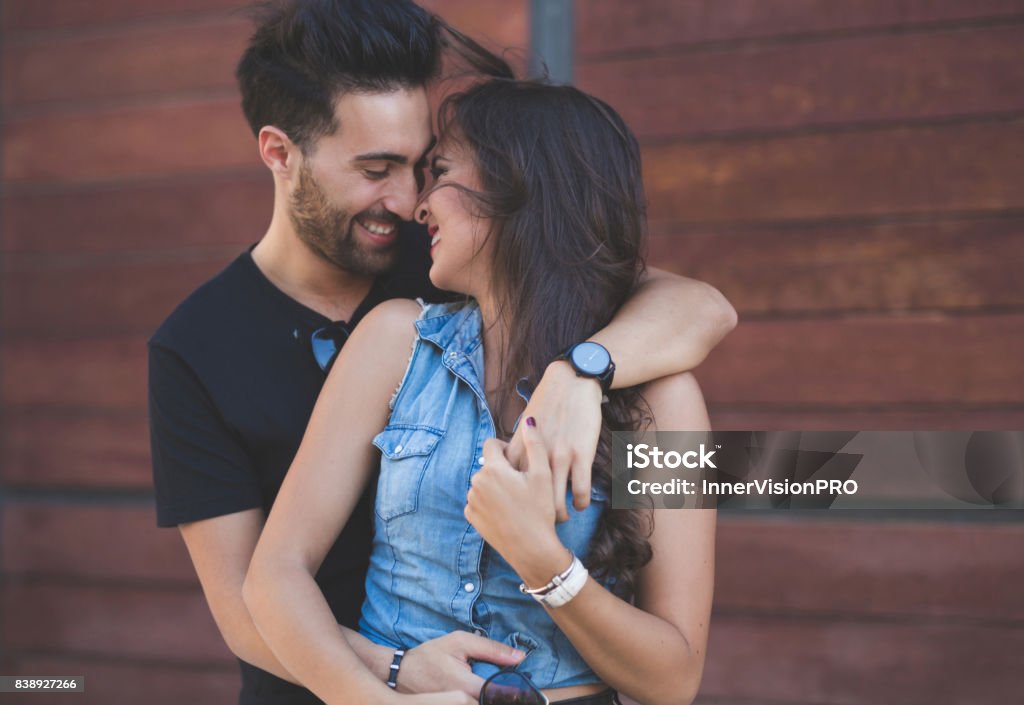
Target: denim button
(398,448)
(481,460)
(470,587)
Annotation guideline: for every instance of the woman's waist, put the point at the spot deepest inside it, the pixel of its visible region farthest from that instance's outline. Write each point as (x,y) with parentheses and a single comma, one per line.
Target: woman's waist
(575,693)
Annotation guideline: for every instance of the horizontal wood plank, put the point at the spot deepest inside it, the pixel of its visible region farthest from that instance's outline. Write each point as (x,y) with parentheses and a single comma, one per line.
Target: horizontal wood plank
(133,63)
(861,663)
(104,374)
(129,143)
(870,360)
(75,450)
(894,77)
(948,418)
(875,569)
(174,625)
(109,299)
(936,169)
(108,543)
(28,15)
(188,212)
(609,26)
(897,266)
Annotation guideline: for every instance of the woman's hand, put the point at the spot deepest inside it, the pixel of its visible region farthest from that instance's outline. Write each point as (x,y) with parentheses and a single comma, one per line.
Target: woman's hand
(515,511)
(568,410)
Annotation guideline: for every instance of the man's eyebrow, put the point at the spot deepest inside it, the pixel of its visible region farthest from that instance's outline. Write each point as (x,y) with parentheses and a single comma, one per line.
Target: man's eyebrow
(382,157)
(393,156)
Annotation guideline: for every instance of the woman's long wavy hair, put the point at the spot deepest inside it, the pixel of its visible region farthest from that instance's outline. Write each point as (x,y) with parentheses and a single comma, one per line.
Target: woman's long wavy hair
(561,184)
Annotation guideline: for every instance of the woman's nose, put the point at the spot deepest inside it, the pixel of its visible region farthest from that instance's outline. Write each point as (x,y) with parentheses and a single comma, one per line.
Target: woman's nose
(421,213)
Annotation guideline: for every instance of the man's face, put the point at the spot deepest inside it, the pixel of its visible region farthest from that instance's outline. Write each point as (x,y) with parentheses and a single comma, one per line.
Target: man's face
(357,184)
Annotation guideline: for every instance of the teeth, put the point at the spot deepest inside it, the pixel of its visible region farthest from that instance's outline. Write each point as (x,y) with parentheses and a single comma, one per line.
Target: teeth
(434,240)
(379,229)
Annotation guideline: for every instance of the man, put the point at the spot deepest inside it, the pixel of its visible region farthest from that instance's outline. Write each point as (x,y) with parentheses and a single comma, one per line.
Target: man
(335,93)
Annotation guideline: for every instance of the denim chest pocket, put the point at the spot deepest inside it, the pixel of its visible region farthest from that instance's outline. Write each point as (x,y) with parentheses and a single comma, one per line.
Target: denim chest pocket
(405,452)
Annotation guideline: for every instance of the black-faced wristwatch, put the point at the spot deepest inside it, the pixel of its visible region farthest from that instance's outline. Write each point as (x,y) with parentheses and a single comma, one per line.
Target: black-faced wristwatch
(591,360)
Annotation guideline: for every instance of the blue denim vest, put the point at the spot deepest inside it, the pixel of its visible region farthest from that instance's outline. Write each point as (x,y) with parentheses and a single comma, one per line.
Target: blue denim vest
(430,571)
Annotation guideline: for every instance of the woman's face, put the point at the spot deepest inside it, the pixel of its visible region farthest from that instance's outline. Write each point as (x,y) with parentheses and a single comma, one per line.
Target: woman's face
(459,242)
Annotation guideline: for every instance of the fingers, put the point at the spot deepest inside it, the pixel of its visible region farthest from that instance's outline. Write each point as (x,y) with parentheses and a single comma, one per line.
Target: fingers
(479,648)
(582,471)
(495,461)
(494,453)
(483,649)
(558,461)
(516,450)
(536,449)
(540,473)
(559,482)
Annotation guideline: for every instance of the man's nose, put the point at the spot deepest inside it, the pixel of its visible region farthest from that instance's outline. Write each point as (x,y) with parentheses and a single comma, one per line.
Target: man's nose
(402,199)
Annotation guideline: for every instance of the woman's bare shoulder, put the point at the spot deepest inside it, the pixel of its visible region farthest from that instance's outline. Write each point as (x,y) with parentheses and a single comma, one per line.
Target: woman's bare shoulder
(379,345)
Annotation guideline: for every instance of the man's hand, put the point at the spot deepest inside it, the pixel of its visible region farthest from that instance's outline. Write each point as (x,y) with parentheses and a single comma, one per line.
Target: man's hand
(443,663)
(568,413)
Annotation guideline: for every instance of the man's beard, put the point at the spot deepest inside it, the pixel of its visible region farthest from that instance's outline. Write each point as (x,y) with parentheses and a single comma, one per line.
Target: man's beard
(329,231)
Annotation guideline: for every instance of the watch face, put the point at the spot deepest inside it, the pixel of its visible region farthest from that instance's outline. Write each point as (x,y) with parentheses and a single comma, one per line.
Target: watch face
(591,358)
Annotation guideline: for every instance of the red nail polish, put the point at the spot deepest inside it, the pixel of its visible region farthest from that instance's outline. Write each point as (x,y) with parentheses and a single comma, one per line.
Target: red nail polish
(530,421)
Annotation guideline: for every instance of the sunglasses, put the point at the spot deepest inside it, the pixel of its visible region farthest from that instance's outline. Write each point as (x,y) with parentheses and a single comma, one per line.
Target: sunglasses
(327,342)
(510,687)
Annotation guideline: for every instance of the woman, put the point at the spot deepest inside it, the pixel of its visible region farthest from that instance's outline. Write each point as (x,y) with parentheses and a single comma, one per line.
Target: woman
(536,214)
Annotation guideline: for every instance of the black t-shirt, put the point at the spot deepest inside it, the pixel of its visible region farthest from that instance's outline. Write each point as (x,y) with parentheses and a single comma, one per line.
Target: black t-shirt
(232,384)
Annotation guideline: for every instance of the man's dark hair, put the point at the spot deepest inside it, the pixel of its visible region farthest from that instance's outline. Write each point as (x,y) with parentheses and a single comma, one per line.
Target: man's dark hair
(305,53)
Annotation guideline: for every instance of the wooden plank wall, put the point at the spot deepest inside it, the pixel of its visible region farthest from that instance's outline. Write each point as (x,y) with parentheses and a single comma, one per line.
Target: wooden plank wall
(849,174)
(129,178)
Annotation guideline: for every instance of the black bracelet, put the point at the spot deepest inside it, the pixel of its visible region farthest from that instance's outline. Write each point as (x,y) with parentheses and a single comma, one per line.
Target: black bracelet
(396,662)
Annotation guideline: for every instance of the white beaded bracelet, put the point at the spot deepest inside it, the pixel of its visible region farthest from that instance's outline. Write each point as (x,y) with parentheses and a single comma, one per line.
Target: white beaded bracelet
(562,588)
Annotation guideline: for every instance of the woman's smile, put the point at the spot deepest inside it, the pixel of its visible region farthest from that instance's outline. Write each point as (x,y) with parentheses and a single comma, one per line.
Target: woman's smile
(434,238)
